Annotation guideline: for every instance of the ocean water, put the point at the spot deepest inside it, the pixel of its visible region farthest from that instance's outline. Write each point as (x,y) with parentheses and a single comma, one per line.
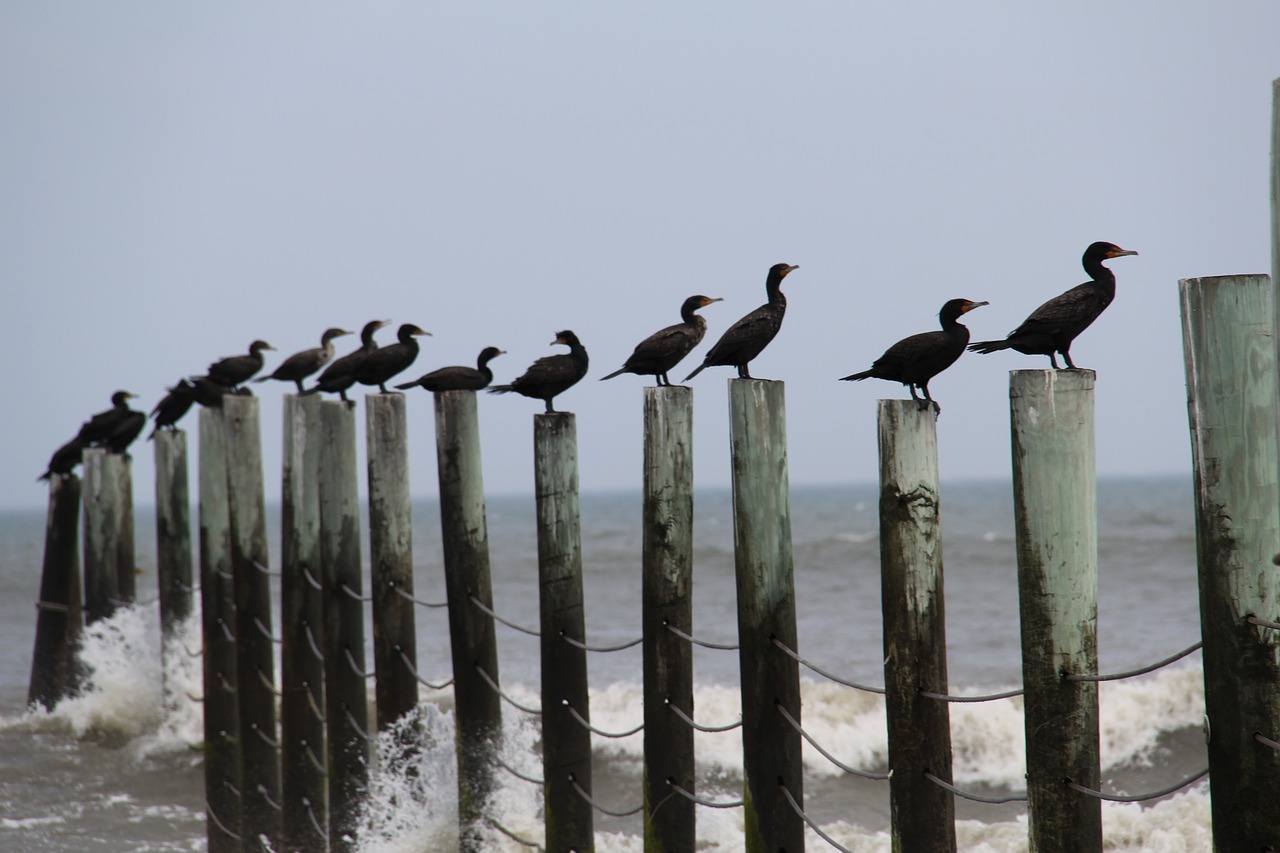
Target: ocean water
(118,768)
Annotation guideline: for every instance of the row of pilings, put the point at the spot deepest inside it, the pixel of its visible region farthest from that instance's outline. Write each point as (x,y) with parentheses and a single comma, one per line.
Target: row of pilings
(288,764)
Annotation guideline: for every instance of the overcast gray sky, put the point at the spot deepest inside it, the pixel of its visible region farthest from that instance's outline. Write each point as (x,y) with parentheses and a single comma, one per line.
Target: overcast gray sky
(179,179)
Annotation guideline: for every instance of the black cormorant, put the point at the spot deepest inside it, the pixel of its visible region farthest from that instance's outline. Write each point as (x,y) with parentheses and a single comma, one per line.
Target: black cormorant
(552,374)
(340,375)
(458,377)
(915,360)
(99,428)
(379,366)
(745,339)
(173,406)
(64,459)
(664,349)
(236,369)
(1054,325)
(300,365)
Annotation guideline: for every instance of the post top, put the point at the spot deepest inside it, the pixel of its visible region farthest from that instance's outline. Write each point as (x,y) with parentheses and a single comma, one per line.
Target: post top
(1047,382)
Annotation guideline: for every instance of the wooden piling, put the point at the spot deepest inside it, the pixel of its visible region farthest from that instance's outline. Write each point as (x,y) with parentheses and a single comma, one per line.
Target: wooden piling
(1275,189)
(346,695)
(915,642)
(255,651)
(54,672)
(126,553)
(766,611)
(391,558)
(217,607)
(1229,348)
(465,540)
(102,515)
(1056,521)
(302,722)
(667,600)
(566,743)
(173,533)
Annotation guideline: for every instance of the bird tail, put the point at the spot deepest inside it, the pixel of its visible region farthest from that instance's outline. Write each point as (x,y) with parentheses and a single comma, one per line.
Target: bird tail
(500,389)
(44,477)
(618,372)
(696,371)
(309,391)
(856,377)
(406,386)
(985,347)
(262,379)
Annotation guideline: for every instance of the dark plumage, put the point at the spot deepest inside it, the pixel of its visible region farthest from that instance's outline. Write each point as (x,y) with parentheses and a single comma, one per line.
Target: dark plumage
(64,459)
(915,360)
(101,426)
(341,374)
(208,393)
(379,366)
(173,406)
(300,365)
(745,339)
(552,374)
(1054,325)
(236,369)
(664,349)
(458,377)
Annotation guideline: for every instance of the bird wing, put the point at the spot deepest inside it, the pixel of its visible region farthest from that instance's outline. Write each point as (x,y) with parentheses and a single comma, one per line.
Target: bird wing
(759,322)
(1080,303)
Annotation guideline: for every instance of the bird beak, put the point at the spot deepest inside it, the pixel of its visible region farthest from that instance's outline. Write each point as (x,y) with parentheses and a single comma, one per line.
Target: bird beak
(422,332)
(973,305)
(1120,253)
(711,299)
(791,269)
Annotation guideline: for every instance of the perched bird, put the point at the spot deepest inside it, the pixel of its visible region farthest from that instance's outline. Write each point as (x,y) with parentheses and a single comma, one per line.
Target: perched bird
(1054,325)
(236,369)
(300,365)
(458,377)
(379,366)
(99,428)
(65,458)
(126,430)
(208,393)
(341,375)
(663,350)
(745,339)
(552,374)
(915,360)
(173,406)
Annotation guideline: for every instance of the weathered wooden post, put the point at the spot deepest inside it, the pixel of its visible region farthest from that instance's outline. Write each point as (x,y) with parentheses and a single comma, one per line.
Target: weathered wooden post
(302,721)
(391,558)
(1229,343)
(126,558)
(173,533)
(566,744)
(102,519)
(255,654)
(1275,187)
(667,600)
(1056,520)
(346,695)
(766,612)
(58,614)
(915,640)
(465,539)
(218,616)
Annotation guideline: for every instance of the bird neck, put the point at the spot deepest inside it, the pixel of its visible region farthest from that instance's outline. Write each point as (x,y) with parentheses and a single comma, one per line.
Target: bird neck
(773,287)
(1093,266)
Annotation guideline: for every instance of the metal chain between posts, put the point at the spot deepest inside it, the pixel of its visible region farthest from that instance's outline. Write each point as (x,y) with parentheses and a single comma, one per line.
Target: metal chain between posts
(264,569)
(222,827)
(315,823)
(725,647)
(311,579)
(351,661)
(879,691)
(265,738)
(368,738)
(1266,741)
(990,697)
(1263,623)
(489,611)
(311,641)
(977,798)
(314,759)
(265,631)
(810,822)
(266,795)
(311,700)
(1140,671)
(49,605)
(1089,792)
(353,595)
(865,774)
(268,683)
(573,712)
(587,799)
(493,684)
(708,729)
